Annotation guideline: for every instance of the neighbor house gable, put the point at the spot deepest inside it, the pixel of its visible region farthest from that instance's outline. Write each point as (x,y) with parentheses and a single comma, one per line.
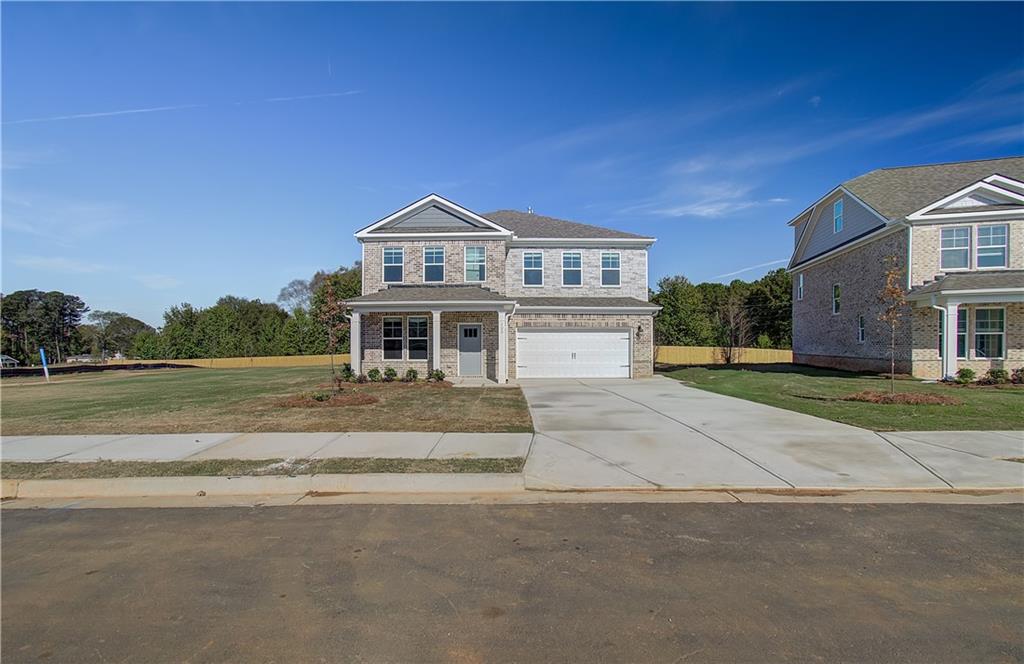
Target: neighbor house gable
(993,197)
(818,236)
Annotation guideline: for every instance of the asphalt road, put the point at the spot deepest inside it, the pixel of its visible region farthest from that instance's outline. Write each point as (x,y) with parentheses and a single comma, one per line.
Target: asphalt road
(544,583)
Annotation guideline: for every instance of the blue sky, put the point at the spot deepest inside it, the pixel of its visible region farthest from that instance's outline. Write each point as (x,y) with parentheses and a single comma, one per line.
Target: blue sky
(163,153)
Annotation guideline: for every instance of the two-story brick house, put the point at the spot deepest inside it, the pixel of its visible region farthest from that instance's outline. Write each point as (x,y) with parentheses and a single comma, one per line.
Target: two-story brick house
(502,295)
(956,231)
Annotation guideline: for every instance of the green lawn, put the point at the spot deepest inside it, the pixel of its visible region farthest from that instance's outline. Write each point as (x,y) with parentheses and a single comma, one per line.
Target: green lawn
(819,391)
(244,400)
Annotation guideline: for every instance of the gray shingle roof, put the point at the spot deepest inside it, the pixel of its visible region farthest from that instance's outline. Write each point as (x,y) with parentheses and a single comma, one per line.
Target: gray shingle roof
(528,225)
(432,294)
(896,192)
(961,281)
(602,302)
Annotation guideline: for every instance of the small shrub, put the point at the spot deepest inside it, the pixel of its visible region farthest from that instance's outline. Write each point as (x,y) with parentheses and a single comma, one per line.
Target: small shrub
(965,375)
(996,377)
(1017,377)
(436,375)
(346,374)
(389,374)
(374,375)
(321,396)
(411,376)
(362,378)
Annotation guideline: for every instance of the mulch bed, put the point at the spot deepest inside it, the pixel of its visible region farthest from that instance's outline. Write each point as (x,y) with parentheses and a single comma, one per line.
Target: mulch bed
(903,398)
(393,383)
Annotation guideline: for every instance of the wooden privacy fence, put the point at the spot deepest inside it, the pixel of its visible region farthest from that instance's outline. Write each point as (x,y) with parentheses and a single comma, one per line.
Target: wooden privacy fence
(717,355)
(246,362)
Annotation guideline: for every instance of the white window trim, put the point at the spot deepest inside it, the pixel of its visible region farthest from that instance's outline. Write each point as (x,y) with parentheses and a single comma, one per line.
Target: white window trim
(861,331)
(541,268)
(617,269)
(841,206)
(407,338)
(465,264)
(383,266)
(967,331)
(800,286)
(973,332)
(401,320)
(444,257)
(970,248)
(977,246)
(564,268)
(837,300)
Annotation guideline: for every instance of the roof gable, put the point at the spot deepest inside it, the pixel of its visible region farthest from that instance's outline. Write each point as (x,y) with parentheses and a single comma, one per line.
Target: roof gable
(980,199)
(432,214)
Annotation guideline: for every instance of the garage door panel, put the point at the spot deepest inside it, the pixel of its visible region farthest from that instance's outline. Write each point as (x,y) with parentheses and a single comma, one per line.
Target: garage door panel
(572,354)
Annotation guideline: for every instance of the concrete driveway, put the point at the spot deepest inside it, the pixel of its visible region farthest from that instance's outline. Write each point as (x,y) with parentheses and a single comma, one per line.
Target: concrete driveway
(658,433)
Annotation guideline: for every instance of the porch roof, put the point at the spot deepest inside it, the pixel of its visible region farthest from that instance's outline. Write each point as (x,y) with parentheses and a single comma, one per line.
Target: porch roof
(994,285)
(439,295)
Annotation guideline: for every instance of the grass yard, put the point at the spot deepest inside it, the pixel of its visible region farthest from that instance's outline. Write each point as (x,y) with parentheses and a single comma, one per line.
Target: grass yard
(244,400)
(819,391)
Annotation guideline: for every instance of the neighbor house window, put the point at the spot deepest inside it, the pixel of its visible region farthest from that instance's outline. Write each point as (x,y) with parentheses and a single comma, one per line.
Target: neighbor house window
(572,268)
(961,333)
(989,330)
(955,248)
(610,268)
(433,264)
(860,329)
(392,333)
(417,337)
(992,241)
(800,286)
(394,259)
(835,298)
(837,216)
(533,268)
(476,264)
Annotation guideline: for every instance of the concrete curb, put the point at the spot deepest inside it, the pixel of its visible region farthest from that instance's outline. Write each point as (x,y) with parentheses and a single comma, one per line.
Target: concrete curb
(130,487)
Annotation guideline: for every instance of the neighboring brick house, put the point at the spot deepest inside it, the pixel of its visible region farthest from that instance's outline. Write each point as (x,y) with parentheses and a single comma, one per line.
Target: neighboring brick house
(514,295)
(957,232)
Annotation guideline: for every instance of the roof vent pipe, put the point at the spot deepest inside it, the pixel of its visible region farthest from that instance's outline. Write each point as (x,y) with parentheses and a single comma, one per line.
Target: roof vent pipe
(529,209)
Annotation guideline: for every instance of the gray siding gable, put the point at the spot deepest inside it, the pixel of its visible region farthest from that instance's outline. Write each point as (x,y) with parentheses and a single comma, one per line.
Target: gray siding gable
(858,220)
(432,218)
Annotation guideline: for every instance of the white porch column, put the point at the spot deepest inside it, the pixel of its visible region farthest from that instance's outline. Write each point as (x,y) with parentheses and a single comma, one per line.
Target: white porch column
(949,326)
(436,339)
(502,347)
(356,342)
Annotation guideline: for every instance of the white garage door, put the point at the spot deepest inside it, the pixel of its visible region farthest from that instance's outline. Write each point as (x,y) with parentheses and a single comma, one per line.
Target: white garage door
(555,353)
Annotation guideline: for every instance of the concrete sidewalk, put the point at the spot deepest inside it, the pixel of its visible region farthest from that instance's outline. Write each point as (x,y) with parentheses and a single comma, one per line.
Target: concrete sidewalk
(178,447)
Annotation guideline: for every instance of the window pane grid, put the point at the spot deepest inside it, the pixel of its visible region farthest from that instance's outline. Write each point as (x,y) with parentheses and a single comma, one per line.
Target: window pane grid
(955,249)
(433,264)
(533,269)
(392,338)
(572,272)
(393,260)
(992,243)
(476,259)
(989,329)
(418,341)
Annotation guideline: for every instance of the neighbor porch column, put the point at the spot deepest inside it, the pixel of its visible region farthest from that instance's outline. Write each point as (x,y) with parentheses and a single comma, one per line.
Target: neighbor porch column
(949,340)
(436,339)
(502,347)
(355,346)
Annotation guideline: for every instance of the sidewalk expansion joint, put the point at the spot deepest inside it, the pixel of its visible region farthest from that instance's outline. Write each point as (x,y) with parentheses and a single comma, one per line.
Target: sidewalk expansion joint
(916,460)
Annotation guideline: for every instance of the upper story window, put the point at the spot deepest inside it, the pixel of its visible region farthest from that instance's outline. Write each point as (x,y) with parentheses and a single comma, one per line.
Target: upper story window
(476,264)
(835,298)
(955,248)
(610,268)
(837,216)
(533,268)
(992,244)
(572,268)
(433,264)
(394,262)
(800,286)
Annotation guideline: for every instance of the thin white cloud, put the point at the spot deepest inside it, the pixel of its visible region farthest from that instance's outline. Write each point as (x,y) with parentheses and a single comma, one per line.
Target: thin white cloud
(347,93)
(104,114)
(815,101)
(59,264)
(998,136)
(158,281)
(751,267)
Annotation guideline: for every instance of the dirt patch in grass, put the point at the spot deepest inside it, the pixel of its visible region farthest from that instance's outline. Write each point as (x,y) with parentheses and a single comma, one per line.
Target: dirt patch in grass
(903,398)
(331,400)
(63,470)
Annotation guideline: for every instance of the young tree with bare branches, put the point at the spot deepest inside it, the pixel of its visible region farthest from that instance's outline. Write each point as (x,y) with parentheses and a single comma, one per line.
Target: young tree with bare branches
(894,302)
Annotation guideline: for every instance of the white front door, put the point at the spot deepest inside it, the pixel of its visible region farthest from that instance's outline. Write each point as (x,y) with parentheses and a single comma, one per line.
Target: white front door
(571,353)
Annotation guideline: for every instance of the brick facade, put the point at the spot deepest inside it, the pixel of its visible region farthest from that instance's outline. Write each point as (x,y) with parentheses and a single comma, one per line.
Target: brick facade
(927,240)
(928,364)
(454,262)
(632,273)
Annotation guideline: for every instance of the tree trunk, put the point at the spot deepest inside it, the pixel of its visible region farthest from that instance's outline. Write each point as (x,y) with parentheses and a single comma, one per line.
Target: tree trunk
(892,361)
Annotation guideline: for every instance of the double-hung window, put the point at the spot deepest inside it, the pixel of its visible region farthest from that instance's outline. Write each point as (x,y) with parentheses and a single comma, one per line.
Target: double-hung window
(837,216)
(572,268)
(394,260)
(989,333)
(417,337)
(433,264)
(476,264)
(955,251)
(860,329)
(992,243)
(800,286)
(961,333)
(835,298)
(392,338)
(610,268)
(533,268)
